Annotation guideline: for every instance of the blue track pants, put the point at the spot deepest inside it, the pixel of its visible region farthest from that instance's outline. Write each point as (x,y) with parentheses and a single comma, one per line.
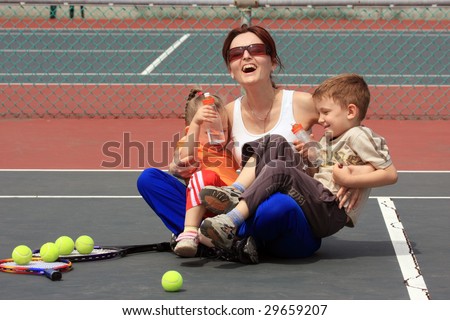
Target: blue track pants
(278,225)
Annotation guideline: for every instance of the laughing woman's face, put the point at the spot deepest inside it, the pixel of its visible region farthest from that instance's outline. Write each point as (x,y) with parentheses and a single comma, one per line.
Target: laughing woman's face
(250,68)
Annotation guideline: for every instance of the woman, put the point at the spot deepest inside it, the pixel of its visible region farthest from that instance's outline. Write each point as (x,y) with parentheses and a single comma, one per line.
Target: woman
(279,225)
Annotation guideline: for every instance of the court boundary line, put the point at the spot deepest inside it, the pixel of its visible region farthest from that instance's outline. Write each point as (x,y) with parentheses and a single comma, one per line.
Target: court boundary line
(164,55)
(141,84)
(406,258)
(66,196)
(140,170)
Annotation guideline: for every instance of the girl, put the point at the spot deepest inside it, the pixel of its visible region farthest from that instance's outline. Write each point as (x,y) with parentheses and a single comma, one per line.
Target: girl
(216,164)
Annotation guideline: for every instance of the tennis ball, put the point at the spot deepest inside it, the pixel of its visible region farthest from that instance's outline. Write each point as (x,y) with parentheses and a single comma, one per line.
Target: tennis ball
(84,244)
(172,281)
(22,255)
(65,245)
(49,252)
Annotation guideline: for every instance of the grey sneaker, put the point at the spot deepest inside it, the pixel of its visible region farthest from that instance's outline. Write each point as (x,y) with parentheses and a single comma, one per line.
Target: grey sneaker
(245,251)
(220,229)
(219,200)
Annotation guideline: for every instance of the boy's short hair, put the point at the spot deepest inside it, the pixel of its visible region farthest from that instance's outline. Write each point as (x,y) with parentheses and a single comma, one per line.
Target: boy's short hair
(345,89)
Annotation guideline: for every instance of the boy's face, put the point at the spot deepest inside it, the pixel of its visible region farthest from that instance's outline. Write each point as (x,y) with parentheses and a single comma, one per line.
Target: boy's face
(333,117)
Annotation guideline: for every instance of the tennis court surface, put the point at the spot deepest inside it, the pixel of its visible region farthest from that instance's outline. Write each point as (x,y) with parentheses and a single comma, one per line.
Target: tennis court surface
(65,174)
(399,250)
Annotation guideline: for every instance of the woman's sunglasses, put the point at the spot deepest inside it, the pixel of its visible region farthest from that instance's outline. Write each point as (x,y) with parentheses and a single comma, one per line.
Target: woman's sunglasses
(256,49)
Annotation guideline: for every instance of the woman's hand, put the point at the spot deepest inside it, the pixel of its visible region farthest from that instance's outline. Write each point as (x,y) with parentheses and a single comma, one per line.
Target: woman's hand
(348,198)
(344,176)
(183,168)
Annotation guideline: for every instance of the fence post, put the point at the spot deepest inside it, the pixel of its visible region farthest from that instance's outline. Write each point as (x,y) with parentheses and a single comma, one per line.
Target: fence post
(246,16)
(245,6)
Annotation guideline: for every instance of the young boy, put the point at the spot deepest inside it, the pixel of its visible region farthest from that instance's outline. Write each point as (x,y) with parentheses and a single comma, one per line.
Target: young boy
(351,155)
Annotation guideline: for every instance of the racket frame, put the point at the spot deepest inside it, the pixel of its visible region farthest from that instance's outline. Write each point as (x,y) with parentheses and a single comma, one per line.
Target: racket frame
(54,274)
(110,252)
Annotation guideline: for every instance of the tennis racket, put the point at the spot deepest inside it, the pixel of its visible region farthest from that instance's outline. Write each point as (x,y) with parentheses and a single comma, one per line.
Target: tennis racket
(109,252)
(52,270)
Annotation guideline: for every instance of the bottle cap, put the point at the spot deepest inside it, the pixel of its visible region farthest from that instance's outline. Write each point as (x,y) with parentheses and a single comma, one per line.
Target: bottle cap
(296,127)
(209,100)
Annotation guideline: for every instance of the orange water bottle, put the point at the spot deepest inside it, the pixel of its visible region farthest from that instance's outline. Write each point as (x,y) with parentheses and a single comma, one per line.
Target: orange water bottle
(300,133)
(214,129)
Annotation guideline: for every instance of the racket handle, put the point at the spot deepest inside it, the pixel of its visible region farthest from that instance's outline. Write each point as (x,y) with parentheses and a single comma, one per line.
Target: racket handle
(53,274)
(163,246)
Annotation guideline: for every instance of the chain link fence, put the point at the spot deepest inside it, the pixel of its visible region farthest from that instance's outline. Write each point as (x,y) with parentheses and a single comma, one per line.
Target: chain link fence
(140,60)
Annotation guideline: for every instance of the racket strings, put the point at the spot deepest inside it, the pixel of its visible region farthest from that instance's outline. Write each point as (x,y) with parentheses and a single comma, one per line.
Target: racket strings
(95,251)
(96,254)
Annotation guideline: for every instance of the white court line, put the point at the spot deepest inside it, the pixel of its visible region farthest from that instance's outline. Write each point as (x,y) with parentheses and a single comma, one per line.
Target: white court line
(164,55)
(413,278)
(79,51)
(140,170)
(418,197)
(72,170)
(68,196)
(38,196)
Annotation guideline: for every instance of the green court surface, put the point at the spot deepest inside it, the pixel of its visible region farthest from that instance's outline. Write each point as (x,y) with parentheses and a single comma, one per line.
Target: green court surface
(121,56)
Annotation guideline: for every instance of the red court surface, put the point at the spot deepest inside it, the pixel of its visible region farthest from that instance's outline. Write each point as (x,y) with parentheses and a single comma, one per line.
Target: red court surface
(141,143)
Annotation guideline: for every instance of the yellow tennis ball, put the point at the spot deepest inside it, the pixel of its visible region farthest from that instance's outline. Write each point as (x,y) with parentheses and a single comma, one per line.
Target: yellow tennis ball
(65,245)
(49,252)
(84,244)
(22,255)
(172,281)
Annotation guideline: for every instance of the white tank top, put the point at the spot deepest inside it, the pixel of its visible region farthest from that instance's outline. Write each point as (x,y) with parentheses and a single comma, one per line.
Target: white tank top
(240,135)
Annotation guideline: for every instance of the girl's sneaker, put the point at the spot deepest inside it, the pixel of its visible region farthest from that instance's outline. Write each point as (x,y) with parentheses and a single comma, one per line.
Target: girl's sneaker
(187,243)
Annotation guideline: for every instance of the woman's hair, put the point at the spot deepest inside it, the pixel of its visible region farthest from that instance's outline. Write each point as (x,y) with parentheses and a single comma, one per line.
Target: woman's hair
(262,34)
(194,100)
(345,89)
